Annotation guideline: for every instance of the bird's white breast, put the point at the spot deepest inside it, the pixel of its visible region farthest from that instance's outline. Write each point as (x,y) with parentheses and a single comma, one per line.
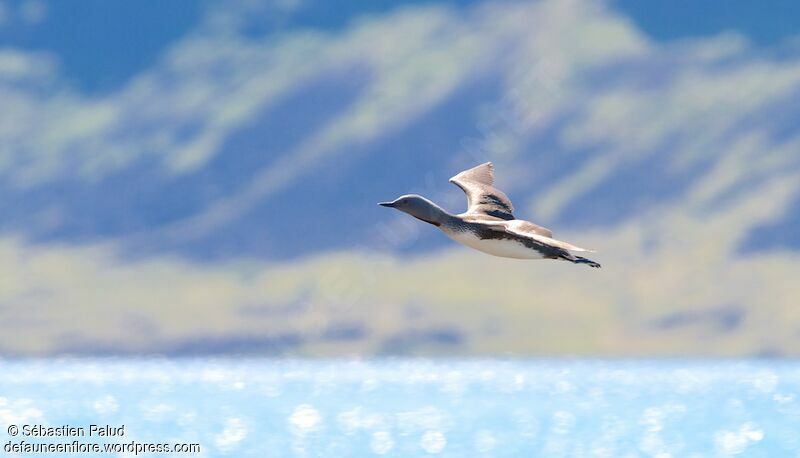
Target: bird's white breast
(506,248)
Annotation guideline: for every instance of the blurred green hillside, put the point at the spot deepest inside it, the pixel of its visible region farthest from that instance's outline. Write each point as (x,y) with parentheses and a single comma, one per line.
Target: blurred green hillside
(221,198)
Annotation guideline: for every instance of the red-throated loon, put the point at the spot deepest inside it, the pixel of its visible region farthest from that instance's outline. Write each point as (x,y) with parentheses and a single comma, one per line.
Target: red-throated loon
(489,225)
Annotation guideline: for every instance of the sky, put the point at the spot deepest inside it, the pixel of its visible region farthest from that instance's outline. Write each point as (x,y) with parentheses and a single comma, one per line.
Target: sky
(188,178)
(102,44)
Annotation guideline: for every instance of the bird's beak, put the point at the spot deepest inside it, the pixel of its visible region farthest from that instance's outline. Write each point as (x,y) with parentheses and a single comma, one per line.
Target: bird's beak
(386,204)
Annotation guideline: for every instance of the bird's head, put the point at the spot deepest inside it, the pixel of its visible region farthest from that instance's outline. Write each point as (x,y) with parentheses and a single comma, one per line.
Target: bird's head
(418,207)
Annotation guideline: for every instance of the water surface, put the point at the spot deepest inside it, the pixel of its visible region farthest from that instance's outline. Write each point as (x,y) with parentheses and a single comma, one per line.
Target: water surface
(408,408)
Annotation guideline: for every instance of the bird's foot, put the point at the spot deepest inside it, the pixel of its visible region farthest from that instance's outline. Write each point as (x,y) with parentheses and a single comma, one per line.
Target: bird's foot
(589,262)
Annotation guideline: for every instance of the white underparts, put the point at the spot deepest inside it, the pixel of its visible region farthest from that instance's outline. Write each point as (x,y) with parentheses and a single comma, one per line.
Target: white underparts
(505,248)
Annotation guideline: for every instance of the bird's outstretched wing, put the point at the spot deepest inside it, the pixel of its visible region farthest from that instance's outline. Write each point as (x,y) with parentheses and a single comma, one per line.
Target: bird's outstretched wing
(524,229)
(528,227)
(482,197)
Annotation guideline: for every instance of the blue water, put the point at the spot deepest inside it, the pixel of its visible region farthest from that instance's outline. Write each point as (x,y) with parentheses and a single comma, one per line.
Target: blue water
(409,408)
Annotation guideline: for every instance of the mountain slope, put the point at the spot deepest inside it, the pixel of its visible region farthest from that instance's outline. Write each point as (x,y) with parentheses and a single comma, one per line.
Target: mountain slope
(228,191)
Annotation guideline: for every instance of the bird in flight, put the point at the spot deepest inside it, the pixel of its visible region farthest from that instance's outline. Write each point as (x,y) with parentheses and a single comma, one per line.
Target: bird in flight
(489,224)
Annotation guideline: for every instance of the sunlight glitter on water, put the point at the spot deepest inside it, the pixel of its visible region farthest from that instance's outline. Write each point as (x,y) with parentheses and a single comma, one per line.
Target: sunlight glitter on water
(406,407)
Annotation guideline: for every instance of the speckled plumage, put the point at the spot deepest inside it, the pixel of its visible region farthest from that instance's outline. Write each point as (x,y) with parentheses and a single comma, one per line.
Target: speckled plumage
(489,224)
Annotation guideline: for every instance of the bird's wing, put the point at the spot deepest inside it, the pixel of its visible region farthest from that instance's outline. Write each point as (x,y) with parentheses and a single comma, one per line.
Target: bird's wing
(482,197)
(528,227)
(523,229)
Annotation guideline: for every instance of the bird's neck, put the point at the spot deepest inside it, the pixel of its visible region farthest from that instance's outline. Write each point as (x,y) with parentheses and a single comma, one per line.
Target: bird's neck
(435,215)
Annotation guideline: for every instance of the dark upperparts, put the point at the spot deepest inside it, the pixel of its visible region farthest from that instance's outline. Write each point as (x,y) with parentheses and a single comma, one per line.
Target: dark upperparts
(501,210)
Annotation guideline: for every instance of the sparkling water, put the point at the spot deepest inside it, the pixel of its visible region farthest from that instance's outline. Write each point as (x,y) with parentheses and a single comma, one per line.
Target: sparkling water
(409,408)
